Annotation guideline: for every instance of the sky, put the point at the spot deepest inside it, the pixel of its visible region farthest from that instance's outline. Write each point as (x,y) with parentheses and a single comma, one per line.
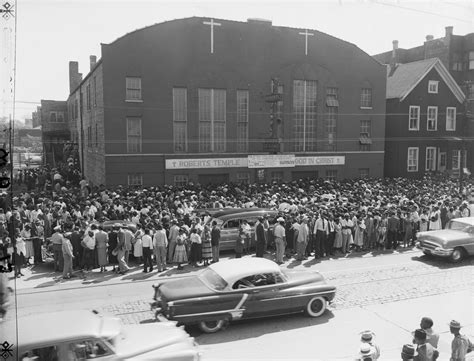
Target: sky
(50,33)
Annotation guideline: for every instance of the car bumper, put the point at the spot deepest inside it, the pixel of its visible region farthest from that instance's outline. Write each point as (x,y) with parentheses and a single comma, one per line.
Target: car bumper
(442,252)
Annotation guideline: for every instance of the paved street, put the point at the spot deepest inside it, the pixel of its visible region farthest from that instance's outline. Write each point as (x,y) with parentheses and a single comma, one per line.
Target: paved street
(388,293)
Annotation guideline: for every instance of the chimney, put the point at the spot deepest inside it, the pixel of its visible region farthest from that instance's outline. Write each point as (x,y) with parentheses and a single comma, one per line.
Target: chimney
(93,61)
(73,75)
(429,37)
(394,59)
(449,31)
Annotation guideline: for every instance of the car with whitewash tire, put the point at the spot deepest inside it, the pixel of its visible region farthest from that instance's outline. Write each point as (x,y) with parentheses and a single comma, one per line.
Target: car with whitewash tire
(84,335)
(455,242)
(240,289)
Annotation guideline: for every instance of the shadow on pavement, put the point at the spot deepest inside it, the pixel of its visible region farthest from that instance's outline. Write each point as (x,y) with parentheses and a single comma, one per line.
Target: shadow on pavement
(441,262)
(247,329)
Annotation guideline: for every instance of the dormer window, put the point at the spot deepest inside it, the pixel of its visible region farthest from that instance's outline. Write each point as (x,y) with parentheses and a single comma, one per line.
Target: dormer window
(433,87)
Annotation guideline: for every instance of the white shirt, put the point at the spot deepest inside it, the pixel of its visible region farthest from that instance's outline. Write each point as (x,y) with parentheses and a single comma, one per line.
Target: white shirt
(147,241)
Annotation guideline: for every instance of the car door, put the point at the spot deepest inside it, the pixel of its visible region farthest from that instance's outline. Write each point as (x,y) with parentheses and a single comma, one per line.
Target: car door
(264,295)
(469,243)
(229,234)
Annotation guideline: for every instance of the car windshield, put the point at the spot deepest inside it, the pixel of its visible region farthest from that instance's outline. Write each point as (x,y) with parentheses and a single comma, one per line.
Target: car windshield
(458,226)
(213,279)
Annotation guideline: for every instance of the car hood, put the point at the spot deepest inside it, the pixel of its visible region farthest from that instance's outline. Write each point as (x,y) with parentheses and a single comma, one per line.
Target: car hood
(140,339)
(184,288)
(443,236)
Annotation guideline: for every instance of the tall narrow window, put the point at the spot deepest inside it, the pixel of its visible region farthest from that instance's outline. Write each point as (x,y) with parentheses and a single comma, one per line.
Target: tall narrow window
(279,105)
(88,97)
(412,162)
(180,180)
(430,158)
(456,159)
(414,118)
(133,88)
(304,115)
(471,60)
(180,120)
(450,118)
(432,119)
(242,120)
(365,139)
(212,120)
(95,91)
(332,106)
(366,98)
(134,135)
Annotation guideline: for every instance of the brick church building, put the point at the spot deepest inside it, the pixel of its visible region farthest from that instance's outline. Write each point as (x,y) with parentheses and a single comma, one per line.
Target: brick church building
(212,100)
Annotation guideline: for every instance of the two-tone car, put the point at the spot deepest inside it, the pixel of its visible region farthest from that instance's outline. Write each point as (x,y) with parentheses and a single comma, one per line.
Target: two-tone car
(230,220)
(239,289)
(84,335)
(455,242)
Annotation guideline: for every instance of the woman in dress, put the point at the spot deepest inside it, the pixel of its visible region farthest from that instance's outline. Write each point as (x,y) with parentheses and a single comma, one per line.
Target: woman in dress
(359,234)
(29,251)
(180,255)
(101,239)
(113,241)
(137,244)
(382,231)
(19,255)
(338,236)
(206,244)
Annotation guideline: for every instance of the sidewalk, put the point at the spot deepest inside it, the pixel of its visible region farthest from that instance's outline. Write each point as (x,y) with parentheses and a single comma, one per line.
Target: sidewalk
(42,277)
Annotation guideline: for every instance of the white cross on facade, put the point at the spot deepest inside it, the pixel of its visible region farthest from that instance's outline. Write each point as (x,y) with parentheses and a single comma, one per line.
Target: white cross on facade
(306,34)
(212,24)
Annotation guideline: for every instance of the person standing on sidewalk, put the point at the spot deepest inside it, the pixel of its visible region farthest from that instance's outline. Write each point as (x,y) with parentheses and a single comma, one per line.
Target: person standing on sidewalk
(173,237)
(302,239)
(426,352)
(120,250)
(160,242)
(147,245)
(67,256)
(461,344)
(432,338)
(57,241)
(260,237)
(128,243)
(180,255)
(89,248)
(215,240)
(196,248)
(280,234)
(346,225)
(206,244)
(101,239)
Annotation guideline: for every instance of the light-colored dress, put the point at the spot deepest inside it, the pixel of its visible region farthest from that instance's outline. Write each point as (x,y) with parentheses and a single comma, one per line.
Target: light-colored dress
(359,234)
(206,243)
(180,255)
(29,251)
(101,239)
(137,246)
(338,237)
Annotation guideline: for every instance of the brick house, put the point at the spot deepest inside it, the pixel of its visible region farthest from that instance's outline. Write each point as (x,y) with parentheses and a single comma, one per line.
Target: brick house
(423,130)
(192,100)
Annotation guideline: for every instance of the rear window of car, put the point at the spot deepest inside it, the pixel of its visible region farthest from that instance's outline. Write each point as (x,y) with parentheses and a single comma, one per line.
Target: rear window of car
(213,279)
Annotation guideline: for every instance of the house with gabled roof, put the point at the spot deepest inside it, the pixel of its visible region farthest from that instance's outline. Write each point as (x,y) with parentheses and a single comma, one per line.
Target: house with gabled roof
(424,122)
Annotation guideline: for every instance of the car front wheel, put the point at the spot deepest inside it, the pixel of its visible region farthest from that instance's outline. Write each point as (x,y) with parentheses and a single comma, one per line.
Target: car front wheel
(316,306)
(212,326)
(457,255)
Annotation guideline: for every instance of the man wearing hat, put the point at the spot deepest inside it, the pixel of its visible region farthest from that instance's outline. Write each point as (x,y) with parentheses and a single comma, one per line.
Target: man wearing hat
(368,337)
(279,233)
(57,241)
(426,352)
(408,352)
(461,344)
(366,352)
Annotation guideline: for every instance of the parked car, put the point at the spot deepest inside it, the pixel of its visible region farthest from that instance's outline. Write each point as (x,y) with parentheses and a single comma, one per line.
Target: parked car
(240,289)
(229,222)
(455,242)
(81,335)
(108,225)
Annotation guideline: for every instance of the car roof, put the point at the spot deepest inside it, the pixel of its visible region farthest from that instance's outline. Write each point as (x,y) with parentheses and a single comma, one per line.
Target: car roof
(249,212)
(235,269)
(466,220)
(61,326)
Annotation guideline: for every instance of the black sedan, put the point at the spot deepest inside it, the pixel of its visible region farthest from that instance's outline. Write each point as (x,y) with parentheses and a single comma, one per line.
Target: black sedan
(240,289)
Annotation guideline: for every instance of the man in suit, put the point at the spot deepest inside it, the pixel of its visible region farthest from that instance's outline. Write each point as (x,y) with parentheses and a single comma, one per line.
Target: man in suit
(426,352)
(260,237)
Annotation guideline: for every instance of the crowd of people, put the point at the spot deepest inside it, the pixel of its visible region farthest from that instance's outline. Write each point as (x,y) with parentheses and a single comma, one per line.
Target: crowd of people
(170,225)
(424,345)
